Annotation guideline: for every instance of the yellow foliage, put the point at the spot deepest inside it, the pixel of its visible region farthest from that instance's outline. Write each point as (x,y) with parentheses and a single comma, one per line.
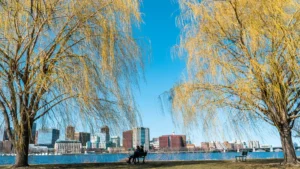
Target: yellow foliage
(242,59)
(78,52)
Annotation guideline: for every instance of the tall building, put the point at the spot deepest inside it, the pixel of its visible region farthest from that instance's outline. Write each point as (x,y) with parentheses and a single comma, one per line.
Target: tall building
(47,137)
(83,137)
(33,131)
(95,141)
(105,130)
(253,144)
(141,137)
(127,139)
(173,142)
(70,133)
(103,140)
(115,141)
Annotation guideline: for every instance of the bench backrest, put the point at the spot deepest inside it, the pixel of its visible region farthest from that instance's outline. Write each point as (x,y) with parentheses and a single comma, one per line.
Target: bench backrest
(244,153)
(143,154)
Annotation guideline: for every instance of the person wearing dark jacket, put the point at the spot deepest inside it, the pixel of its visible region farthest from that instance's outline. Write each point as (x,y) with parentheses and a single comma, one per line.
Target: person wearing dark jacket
(135,154)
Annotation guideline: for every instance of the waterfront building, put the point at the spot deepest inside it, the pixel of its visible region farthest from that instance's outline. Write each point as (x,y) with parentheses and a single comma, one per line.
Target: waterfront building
(127,139)
(68,147)
(103,140)
(105,130)
(141,136)
(220,146)
(115,141)
(47,137)
(190,147)
(228,146)
(212,146)
(37,149)
(95,141)
(70,133)
(163,142)
(83,137)
(238,146)
(173,142)
(253,144)
(154,143)
(95,138)
(205,146)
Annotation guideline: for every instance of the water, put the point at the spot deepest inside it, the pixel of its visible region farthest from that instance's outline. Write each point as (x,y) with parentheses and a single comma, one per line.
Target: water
(108,158)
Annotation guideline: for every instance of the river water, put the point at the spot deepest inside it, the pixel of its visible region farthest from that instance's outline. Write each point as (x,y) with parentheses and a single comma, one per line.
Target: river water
(108,158)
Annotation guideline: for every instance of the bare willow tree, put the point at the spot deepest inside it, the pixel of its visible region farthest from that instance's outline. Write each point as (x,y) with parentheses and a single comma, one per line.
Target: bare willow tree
(243,60)
(78,52)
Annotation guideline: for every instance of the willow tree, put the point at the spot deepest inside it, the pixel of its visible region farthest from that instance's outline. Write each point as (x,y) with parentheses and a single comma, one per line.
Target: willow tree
(242,58)
(81,53)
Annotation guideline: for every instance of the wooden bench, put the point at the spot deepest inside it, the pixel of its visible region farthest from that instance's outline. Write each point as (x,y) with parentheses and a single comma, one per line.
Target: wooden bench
(141,155)
(242,157)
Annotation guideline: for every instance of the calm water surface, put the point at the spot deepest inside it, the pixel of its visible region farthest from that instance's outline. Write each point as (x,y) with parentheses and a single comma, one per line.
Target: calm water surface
(105,158)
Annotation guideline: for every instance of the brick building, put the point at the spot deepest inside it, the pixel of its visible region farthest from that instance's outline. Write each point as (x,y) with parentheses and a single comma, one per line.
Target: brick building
(127,139)
(172,142)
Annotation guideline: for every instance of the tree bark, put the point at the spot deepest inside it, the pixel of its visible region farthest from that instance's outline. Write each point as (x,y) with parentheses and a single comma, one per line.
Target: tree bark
(287,146)
(22,148)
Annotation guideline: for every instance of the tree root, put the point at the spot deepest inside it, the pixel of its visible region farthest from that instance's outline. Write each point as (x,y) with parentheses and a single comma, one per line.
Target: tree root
(296,163)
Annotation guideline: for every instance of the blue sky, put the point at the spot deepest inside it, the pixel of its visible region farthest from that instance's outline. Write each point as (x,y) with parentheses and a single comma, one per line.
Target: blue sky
(163,70)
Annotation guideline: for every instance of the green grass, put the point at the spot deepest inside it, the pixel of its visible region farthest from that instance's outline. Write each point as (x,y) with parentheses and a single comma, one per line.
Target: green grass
(250,164)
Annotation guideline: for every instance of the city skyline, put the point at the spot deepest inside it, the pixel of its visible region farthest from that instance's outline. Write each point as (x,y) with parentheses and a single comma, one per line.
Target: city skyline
(62,132)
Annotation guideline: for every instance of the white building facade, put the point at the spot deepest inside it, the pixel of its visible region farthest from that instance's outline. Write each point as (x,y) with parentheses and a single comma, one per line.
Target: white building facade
(68,147)
(141,137)
(254,144)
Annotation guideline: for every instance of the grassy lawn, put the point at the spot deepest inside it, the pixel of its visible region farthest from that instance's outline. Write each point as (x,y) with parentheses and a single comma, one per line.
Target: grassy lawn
(251,164)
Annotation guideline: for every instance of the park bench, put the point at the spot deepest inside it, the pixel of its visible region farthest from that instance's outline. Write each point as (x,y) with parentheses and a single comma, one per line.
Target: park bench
(141,155)
(242,157)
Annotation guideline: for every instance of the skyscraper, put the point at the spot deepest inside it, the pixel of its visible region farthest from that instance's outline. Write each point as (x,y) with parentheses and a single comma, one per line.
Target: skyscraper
(83,137)
(127,139)
(70,133)
(47,137)
(105,130)
(141,137)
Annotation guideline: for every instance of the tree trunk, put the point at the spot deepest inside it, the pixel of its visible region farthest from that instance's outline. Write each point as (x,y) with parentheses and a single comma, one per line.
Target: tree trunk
(287,146)
(22,148)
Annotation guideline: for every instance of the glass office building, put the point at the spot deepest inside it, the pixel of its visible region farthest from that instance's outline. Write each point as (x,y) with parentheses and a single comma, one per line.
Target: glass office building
(47,137)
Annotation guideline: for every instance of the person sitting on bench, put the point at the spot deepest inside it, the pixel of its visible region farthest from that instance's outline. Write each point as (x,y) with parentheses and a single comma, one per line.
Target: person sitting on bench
(139,154)
(135,154)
